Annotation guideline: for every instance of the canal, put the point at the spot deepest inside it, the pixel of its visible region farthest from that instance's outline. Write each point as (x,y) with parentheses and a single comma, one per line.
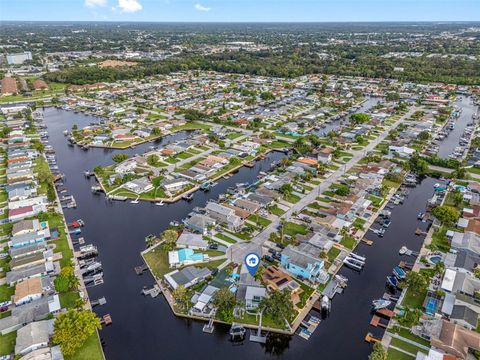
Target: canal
(448,145)
(336,125)
(146,328)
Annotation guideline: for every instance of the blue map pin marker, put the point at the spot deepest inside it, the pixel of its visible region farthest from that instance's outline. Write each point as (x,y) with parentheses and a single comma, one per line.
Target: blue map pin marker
(252,261)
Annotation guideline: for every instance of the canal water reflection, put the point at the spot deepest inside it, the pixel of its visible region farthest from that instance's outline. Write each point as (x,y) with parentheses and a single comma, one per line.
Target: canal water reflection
(145,328)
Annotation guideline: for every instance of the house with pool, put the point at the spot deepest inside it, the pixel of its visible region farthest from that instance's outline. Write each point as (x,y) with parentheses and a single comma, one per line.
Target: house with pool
(186,256)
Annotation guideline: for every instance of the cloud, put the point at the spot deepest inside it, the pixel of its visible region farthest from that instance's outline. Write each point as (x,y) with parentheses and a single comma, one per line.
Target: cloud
(200,7)
(129,6)
(95,3)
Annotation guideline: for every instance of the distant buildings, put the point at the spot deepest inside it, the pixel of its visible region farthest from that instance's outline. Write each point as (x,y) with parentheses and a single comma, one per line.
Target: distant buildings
(18,58)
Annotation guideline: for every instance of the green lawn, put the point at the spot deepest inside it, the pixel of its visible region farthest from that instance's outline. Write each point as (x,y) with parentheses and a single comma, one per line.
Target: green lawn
(157,259)
(6,292)
(414,301)
(259,220)
(293,229)
(184,155)
(397,355)
(275,210)
(69,299)
(358,223)
(7,343)
(225,238)
(406,346)
(332,254)
(91,350)
(348,241)
(292,198)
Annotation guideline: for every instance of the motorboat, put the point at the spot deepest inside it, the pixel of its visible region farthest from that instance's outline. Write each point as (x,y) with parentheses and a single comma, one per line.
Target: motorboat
(392,281)
(134,201)
(160,203)
(357,257)
(325,304)
(399,273)
(380,304)
(237,331)
(353,263)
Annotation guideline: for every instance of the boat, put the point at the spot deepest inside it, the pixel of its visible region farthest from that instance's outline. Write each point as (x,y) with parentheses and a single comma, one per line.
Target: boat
(392,281)
(399,273)
(237,331)
(380,304)
(187,197)
(353,263)
(357,257)
(134,201)
(65,132)
(160,203)
(325,304)
(420,216)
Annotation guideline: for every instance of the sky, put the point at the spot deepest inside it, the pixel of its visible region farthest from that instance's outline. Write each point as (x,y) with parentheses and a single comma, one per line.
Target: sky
(240,10)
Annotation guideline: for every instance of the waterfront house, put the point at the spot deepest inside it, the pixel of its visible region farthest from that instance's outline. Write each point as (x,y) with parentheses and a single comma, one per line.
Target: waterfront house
(139,186)
(33,201)
(191,241)
(276,279)
(224,215)
(187,276)
(175,185)
(303,265)
(199,223)
(253,296)
(126,166)
(202,300)
(185,256)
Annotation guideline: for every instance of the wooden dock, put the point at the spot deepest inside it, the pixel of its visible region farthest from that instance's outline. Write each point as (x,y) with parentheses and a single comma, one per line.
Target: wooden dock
(368,242)
(141,269)
(370,339)
(154,291)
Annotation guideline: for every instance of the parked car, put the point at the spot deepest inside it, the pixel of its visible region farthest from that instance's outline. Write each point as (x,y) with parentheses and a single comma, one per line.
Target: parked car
(213,246)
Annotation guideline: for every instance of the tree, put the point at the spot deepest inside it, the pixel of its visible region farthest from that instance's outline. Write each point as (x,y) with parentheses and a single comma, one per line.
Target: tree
(156,131)
(225,301)
(181,297)
(44,176)
(378,352)
(457,197)
(424,135)
(66,280)
(118,158)
(416,282)
(73,328)
(448,215)
(359,118)
(418,165)
(278,305)
(152,160)
(169,237)
(393,96)
(342,190)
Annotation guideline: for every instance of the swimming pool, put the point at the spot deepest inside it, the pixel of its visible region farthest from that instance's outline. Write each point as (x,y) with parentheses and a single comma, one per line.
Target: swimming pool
(434,259)
(431,306)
